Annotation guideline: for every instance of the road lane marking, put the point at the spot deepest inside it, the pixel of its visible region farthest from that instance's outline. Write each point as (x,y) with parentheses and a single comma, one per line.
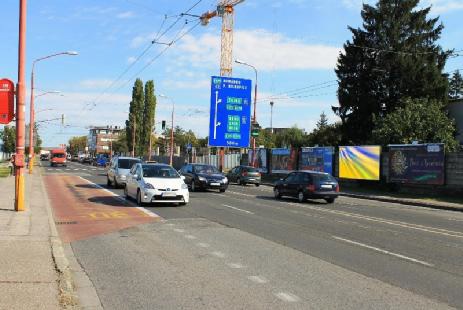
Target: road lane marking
(191,237)
(235,265)
(203,245)
(218,254)
(384,251)
(147,212)
(179,230)
(287,297)
(258,279)
(238,209)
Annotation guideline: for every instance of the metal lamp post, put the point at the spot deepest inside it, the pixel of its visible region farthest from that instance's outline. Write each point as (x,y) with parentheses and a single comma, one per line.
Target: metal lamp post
(171,130)
(32,112)
(254,119)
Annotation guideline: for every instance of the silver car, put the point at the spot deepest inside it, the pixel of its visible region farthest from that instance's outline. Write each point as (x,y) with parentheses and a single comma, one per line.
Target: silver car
(119,169)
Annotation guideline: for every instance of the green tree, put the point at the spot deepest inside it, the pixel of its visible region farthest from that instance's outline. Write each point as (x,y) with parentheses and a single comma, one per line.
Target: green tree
(323,121)
(393,57)
(149,111)
(9,139)
(292,137)
(265,138)
(423,120)
(328,135)
(120,145)
(77,144)
(134,123)
(456,86)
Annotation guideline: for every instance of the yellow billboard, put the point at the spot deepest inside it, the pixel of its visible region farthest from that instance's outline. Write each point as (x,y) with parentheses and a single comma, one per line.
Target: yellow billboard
(359,162)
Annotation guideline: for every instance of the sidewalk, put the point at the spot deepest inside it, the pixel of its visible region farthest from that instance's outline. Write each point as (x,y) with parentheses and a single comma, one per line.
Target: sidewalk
(32,264)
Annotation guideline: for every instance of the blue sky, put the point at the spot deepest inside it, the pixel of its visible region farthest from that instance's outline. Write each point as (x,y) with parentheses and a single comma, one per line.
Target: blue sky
(293,43)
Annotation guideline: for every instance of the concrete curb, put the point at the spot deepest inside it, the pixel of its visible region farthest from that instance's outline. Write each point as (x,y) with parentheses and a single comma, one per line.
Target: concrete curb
(70,296)
(406,202)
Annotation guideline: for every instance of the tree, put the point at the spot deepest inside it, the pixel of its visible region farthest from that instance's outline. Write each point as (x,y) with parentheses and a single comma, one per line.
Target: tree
(149,111)
(323,121)
(77,144)
(423,120)
(395,56)
(9,139)
(120,145)
(265,138)
(456,86)
(292,137)
(134,123)
(328,135)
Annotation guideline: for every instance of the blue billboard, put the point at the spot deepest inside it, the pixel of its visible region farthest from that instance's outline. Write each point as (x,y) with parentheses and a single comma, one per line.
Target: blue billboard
(317,159)
(230,113)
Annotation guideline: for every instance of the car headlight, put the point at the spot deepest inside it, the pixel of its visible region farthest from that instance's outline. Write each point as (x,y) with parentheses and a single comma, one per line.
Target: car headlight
(184,186)
(225,180)
(148,186)
(123,176)
(202,179)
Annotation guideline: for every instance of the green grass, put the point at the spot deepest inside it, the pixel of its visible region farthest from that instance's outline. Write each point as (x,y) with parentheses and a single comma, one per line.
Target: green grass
(4,172)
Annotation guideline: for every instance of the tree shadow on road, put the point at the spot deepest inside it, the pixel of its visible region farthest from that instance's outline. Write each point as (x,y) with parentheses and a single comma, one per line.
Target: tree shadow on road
(109,201)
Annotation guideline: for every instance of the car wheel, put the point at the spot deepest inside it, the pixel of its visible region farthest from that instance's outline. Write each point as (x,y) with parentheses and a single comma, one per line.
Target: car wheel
(126,193)
(222,190)
(108,182)
(116,185)
(257,184)
(182,204)
(193,186)
(276,193)
(139,202)
(238,181)
(329,200)
(300,196)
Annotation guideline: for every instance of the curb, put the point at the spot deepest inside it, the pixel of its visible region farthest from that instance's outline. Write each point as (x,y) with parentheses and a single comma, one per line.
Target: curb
(69,295)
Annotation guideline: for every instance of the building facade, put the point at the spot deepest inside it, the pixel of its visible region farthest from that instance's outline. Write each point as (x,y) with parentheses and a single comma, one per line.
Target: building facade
(100,139)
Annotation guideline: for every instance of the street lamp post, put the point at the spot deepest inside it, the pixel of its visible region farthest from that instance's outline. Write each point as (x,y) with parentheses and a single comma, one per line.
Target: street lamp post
(32,112)
(171,130)
(271,116)
(254,119)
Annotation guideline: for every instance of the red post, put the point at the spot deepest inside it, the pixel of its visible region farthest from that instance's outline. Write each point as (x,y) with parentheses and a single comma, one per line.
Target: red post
(20,109)
(31,123)
(172,137)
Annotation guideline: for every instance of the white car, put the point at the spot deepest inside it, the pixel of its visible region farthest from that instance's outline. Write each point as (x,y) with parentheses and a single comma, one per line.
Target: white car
(156,183)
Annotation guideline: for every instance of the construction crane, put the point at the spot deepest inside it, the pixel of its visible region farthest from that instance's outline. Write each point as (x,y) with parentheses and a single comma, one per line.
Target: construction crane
(225,9)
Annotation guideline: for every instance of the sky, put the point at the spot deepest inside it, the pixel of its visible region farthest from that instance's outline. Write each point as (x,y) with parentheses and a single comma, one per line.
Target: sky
(294,44)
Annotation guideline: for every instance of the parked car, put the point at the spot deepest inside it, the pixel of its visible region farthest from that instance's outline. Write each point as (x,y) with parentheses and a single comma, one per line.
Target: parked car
(87,160)
(75,158)
(201,177)
(100,161)
(58,157)
(156,183)
(244,175)
(44,157)
(119,169)
(68,157)
(307,185)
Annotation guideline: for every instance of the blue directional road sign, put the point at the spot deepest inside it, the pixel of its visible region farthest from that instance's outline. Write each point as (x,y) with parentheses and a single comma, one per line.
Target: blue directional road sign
(230,118)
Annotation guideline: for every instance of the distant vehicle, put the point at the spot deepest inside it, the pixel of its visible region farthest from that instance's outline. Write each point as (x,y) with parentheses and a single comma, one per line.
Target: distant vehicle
(87,160)
(119,169)
(44,157)
(156,183)
(244,175)
(201,177)
(58,157)
(100,161)
(307,185)
(75,158)
(68,156)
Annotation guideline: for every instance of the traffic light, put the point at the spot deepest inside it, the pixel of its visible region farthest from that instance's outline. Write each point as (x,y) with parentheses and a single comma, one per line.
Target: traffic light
(163,125)
(255,128)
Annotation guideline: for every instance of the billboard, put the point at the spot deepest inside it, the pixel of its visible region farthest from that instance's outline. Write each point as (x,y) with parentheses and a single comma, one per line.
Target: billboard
(6,101)
(230,112)
(260,160)
(283,160)
(317,159)
(417,164)
(359,162)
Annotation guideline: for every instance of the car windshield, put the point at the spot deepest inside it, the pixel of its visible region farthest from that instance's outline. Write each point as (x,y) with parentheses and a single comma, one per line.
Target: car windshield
(152,171)
(323,178)
(250,169)
(205,169)
(126,163)
(59,155)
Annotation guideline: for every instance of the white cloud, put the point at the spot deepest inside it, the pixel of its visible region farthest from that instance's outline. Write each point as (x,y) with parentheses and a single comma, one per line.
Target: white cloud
(204,84)
(131,60)
(95,83)
(265,50)
(142,39)
(125,15)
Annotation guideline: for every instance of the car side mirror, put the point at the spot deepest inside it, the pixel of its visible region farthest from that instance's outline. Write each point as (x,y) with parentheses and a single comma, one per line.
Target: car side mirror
(182,177)
(135,176)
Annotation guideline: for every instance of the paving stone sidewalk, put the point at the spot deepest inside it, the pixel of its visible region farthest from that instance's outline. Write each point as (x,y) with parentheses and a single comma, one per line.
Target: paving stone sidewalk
(29,273)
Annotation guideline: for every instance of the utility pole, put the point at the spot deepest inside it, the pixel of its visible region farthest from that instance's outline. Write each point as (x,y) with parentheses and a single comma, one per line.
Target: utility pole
(271,116)
(225,9)
(20,108)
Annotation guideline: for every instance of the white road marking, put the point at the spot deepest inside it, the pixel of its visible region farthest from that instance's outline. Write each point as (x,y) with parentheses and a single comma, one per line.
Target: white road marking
(235,265)
(203,245)
(191,237)
(76,169)
(384,251)
(170,224)
(238,209)
(258,279)
(242,194)
(179,230)
(147,212)
(287,297)
(218,254)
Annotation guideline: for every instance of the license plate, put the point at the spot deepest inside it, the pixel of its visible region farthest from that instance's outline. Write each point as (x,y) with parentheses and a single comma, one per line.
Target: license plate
(215,184)
(327,186)
(252,179)
(169,194)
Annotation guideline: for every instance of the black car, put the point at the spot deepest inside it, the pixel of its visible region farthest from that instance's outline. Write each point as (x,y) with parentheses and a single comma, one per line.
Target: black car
(307,185)
(244,175)
(202,176)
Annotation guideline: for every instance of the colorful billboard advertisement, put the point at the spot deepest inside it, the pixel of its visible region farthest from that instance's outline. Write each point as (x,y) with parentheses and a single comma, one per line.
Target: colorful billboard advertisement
(359,162)
(283,160)
(317,159)
(260,161)
(417,164)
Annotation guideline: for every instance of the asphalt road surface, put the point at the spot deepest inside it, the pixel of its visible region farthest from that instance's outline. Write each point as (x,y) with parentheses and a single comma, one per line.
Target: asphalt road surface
(245,250)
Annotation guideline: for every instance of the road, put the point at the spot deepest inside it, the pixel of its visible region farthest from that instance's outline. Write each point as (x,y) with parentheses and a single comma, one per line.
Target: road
(245,250)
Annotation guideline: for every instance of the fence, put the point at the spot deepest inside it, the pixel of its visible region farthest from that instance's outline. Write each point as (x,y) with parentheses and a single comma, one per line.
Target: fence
(230,160)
